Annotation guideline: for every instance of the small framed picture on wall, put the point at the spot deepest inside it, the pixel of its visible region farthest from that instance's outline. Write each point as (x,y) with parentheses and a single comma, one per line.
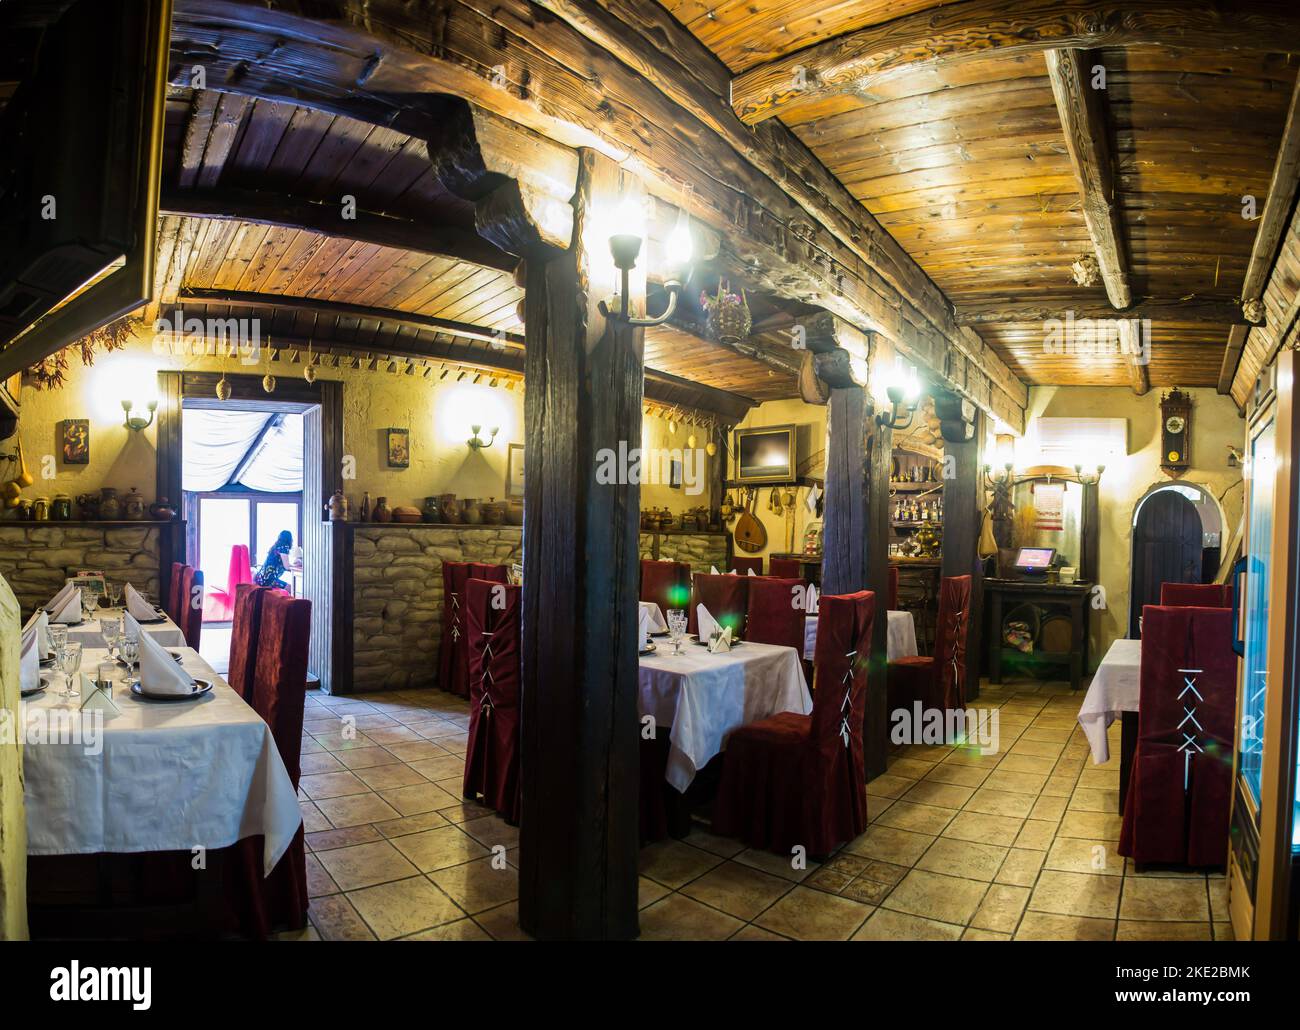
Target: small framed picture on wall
(74,441)
(515,471)
(399,448)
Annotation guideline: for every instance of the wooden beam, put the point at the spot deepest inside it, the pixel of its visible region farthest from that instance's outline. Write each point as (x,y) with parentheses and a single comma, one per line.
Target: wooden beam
(1087,139)
(221,138)
(202,111)
(972,30)
(963,513)
(1137,355)
(290,212)
(786,225)
(1232,356)
(1193,310)
(1277,207)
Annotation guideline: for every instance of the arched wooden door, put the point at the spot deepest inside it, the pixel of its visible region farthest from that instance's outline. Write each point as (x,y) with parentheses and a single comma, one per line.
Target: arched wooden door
(1166,549)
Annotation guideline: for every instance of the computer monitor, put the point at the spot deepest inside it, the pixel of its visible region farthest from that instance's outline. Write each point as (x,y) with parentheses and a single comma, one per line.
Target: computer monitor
(1035,559)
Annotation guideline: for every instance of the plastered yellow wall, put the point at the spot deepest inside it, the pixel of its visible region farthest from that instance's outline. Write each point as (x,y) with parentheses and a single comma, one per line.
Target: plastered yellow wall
(1215,425)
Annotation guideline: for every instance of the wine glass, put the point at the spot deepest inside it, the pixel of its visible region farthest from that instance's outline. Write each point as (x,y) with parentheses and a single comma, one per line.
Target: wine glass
(112,630)
(58,637)
(70,664)
(89,602)
(113,591)
(676,627)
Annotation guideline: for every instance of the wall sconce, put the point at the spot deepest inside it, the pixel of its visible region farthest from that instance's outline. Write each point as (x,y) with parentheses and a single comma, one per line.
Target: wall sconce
(136,423)
(992,479)
(904,400)
(1089,478)
(476,443)
(625,247)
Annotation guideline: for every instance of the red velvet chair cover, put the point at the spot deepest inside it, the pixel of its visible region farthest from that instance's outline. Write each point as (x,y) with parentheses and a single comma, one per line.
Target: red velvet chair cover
(743,565)
(785,568)
(798,779)
(666,583)
(453,656)
(772,616)
(279,695)
(893,588)
(1177,806)
(174,604)
(937,681)
(189,615)
(726,598)
(219,605)
(492,614)
(1195,595)
(243,637)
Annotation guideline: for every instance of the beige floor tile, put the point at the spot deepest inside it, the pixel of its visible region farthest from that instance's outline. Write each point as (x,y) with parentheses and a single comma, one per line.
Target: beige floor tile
(724,847)
(1037,834)
(416,750)
(674,863)
(1048,808)
(391,734)
(1080,855)
(1219,899)
(1033,764)
(887,844)
(877,806)
(809,915)
(476,886)
(356,809)
(777,865)
(1015,782)
(1152,899)
(336,919)
(648,892)
(831,880)
(417,798)
(1076,894)
(940,795)
(439,848)
(1133,930)
(1001,908)
(1000,802)
(492,831)
(386,777)
(502,923)
(1223,932)
(738,890)
(755,933)
(963,858)
(446,767)
(1021,867)
(869,892)
(1038,748)
(327,839)
(345,739)
(1091,825)
(949,899)
(404,907)
(319,882)
(364,865)
(960,775)
(1092,799)
(888,925)
(889,786)
(904,815)
(367,757)
(679,918)
(412,823)
(973,759)
(910,768)
(313,819)
(460,930)
(972,934)
(984,829)
(319,762)
(1099,777)
(1042,926)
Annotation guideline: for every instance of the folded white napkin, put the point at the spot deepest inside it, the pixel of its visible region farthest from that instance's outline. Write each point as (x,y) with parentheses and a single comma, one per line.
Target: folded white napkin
(130,628)
(66,591)
(749,572)
(706,625)
(654,615)
(138,606)
(713,570)
(160,673)
(67,610)
(38,627)
(29,664)
(722,643)
(643,628)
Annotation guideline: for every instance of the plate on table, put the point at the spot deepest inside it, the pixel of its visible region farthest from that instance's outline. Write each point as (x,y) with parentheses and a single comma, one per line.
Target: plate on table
(177,657)
(704,643)
(41,684)
(201,687)
(649,649)
(48,663)
(162,617)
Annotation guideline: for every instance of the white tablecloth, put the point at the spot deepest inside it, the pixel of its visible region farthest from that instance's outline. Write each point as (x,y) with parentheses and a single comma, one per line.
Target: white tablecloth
(703,697)
(169,776)
(1115,688)
(900,637)
(658,624)
(90,634)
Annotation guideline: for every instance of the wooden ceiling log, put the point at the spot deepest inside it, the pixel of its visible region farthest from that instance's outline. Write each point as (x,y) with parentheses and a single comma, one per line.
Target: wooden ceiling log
(1087,139)
(976,29)
(1193,310)
(1277,208)
(1135,355)
(1232,356)
(221,138)
(202,111)
(785,224)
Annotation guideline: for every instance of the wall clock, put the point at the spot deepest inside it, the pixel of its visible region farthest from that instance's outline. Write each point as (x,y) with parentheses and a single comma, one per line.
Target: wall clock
(1175,432)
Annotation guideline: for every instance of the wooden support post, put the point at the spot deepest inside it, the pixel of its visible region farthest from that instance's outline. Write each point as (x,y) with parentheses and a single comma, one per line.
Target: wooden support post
(579,738)
(962,510)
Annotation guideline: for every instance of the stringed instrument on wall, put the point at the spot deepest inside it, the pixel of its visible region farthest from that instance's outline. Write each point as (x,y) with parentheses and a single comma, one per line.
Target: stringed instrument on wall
(749,533)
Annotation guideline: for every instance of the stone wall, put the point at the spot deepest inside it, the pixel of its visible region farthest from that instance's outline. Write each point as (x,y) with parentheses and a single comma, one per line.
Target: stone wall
(397,595)
(36,557)
(701,551)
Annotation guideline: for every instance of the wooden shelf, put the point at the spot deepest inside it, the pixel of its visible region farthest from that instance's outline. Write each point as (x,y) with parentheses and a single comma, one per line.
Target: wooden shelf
(908,487)
(91,523)
(424,525)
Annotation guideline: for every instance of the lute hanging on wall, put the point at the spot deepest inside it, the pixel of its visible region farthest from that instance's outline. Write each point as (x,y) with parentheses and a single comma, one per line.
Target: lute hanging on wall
(749,532)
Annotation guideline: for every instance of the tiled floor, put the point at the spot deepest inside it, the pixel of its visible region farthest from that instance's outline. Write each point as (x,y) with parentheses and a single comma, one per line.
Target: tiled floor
(1018,844)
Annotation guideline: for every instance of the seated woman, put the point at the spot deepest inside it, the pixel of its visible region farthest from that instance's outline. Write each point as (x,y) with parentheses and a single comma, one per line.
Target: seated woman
(272,571)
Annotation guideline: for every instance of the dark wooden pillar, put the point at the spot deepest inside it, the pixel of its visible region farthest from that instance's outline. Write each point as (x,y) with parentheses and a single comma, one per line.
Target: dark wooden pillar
(579,739)
(963,509)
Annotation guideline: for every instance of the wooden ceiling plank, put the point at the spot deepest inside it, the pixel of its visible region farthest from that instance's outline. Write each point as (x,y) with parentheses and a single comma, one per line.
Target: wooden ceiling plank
(202,112)
(221,138)
(1277,208)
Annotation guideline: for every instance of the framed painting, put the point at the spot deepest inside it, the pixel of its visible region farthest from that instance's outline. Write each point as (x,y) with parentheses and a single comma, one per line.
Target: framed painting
(399,448)
(74,441)
(515,470)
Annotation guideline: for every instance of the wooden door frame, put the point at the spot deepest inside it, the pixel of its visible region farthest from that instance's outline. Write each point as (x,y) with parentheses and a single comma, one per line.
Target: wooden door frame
(1157,488)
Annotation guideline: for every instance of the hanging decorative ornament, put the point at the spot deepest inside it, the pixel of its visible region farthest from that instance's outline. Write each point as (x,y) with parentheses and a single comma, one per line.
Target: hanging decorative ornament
(727,314)
(268,383)
(309,373)
(710,448)
(690,441)
(1086,270)
(223,388)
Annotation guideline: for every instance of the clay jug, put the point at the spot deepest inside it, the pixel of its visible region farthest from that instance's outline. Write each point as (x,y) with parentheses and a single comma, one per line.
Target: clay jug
(382,512)
(110,508)
(472,512)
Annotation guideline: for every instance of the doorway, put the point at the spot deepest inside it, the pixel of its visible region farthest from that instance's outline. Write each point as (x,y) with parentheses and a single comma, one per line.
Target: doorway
(1177,531)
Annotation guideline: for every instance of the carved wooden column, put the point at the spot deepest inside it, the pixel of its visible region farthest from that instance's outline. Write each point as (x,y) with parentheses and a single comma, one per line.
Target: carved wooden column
(583,381)
(963,494)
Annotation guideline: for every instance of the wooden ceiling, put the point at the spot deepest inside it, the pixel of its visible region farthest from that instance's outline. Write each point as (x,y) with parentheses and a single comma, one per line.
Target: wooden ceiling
(965,163)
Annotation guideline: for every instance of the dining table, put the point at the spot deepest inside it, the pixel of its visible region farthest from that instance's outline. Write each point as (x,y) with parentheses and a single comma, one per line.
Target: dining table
(90,633)
(1114,693)
(900,637)
(700,697)
(120,773)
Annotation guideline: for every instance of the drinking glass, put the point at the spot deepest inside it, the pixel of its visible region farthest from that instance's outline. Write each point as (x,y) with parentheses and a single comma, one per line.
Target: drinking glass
(70,664)
(130,651)
(112,591)
(89,602)
(676,627)
(58,637)
(112,630)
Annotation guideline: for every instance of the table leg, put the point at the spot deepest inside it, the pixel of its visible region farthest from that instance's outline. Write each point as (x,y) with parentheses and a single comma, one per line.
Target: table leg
(1127,748)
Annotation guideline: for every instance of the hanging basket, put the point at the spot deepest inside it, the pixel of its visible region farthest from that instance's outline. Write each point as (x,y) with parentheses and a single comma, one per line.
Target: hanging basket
(726,315)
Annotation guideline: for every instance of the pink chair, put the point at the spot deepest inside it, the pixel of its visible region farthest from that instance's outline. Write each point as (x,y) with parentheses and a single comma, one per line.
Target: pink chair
(219,605)
(1195,595)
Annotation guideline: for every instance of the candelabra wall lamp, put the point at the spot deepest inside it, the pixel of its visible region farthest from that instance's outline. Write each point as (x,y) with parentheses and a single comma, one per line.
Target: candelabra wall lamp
(903,399)
(1001,478)
(135,423)
(478,443)
(1089,478)
(625,248)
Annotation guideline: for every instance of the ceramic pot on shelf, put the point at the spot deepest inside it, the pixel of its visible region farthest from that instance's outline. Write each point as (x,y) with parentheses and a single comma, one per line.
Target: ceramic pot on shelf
(338,507)
(161,511)
(110,508)
(514,513)
(493,512)
(133,507)
(451,511)
(472,512)
(430,512)
(381,512)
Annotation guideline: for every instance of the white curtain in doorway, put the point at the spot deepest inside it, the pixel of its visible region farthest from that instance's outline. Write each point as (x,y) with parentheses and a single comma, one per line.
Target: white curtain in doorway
(254,449)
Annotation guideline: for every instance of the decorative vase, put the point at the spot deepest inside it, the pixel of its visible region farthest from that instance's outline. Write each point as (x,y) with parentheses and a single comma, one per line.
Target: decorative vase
(110,508)
(381,512)
(451,512)
(161,510)
(429,513)
(365,507)
(338,507)
(472,512)
(133,507)
(88,507)
(514,513)
(493,513)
